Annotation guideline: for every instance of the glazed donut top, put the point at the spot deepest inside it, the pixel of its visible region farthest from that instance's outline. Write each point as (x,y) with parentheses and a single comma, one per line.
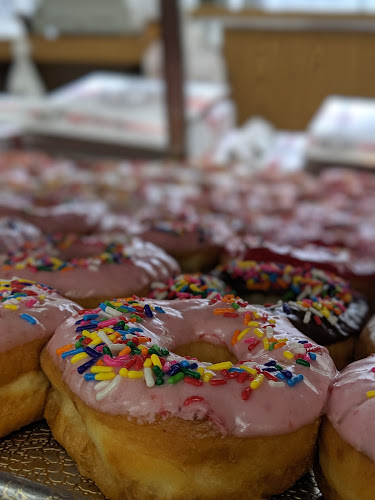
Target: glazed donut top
(118,359)
(320,304)
(351,407)
(29,311)
(187,286)
(99,268)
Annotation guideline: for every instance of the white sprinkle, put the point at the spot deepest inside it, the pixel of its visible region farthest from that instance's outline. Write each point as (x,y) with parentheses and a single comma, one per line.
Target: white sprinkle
(110,387)
(307,317)
(112,311)
(272,383)
(212,295)
(316,312)
(116,347)
(104,337)
(332,319)
(101,385)
(149,378)
(269,332)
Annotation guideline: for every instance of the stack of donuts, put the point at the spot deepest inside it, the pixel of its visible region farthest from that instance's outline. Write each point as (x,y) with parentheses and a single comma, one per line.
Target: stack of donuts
(213,327)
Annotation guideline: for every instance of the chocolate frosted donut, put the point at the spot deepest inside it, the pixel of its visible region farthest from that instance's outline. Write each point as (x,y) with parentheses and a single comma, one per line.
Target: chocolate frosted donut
(320,304)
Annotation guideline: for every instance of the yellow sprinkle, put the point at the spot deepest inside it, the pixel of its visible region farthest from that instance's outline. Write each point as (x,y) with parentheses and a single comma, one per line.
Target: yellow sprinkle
(112,337)
(256,314)
(266,343)
(78,357)
(370,394)
(42,296)
(91,335)
(250,370)
(200,370)
(207,376)
(147,363)
(258,332)
(288,355)
(272,321)
(11,306)
(155,360)
(123,372)
(101,369)
(108,330)
(105,376)
(225,365)
(325,312)
(135,374)
(242,334)
(254,384)
(95,342)
(253,323)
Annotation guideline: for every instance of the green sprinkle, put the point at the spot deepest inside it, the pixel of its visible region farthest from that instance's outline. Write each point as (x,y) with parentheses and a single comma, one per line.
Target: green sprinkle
(176,378)
(136,351)
(191,373)
(303,362)
(131,344)
(159,381)
(235,306)
(158,372)
(107,350)
(164,352)
(278,367)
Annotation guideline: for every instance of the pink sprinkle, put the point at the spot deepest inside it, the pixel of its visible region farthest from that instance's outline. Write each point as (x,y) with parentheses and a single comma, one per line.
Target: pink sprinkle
(166,367)
(112,361)
(108,322)
(31,302)
(307,345)
(373,369)
(99,348)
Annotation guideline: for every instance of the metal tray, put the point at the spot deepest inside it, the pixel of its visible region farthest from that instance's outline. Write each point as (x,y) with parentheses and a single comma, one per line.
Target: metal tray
(33,466)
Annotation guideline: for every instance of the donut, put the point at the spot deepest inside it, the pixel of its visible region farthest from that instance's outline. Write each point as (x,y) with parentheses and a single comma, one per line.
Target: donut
(187,286)
(144,418)
(29,315)
(365,344)
(320,304)
(196,242)
(90,269)
(347,439)
(15,232)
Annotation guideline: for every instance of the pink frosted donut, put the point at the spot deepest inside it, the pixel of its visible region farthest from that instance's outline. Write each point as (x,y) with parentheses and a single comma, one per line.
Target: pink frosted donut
(90,269)
(347,441)
(29,315)
(255,394)
(15,232)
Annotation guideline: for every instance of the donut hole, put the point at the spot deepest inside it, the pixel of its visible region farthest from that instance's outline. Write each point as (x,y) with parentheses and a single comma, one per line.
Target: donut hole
(205,351)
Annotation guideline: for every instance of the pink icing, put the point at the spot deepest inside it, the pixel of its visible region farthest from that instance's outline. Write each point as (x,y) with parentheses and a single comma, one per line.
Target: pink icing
(269,410)
(48,312)
(350,411)
(93,278)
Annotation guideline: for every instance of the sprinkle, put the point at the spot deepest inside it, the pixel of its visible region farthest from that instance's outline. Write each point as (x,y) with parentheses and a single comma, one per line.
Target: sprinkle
(109,388)
(176,378)
(225,365)
(288,355)
(193,399)
(148,376)
(28,318)
(370,394)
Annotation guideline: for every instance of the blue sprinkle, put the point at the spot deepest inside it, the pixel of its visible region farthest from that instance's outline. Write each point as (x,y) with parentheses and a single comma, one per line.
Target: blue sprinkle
(173,369)
(193,366)
(287,374)
(148,311)
(234,369)
(303,341)
(280,376)
(92,352)
(270,363)
(28,318)
(286,308)
(126,309)
(270,369)
(89,376)
(132,330)
(86,317)
(86,365)
(160,310)
(71,353)
(87,327)
(312,355)
(185,364)
(102,306)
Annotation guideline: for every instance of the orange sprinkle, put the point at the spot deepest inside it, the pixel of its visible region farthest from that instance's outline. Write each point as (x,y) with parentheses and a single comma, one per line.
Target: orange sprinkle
(144,351)
(222,310)
(132,320)
(143,339)
(100,362)
(235,336)
(279,344)
(125,350)
(66,347)
(337,311)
